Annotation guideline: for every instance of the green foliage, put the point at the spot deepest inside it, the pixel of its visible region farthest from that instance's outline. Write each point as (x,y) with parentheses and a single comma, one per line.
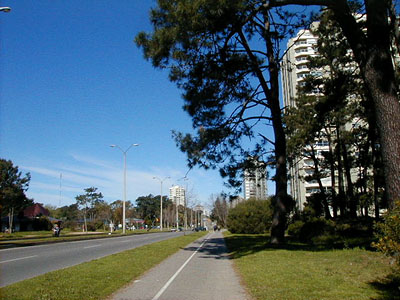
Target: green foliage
(226,60)
(388,234)
(13,186)
(310,229)
(338,233)
(148,207)
(251,216)
(219,213)
(42,223)
(92,226)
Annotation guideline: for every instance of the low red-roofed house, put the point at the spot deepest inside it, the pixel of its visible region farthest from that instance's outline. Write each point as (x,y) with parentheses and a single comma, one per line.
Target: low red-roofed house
(28,219)
(36,210)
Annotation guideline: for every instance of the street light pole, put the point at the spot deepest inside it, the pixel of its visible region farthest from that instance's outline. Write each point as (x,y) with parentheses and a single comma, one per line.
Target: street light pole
(124,200)
(161,205)
(186,203)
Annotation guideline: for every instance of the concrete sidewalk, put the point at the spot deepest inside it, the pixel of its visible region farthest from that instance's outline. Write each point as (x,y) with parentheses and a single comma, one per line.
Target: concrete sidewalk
(200,271)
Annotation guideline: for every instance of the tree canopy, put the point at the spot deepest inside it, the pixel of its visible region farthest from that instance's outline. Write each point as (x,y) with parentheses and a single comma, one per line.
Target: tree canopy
(225,56)
(13,185)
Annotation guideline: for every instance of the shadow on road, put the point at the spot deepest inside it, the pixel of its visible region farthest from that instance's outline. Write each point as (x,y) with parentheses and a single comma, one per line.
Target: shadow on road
(215,248)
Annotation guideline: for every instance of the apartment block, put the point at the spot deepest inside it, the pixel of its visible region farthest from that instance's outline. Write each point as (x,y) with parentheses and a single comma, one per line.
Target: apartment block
(255,182)
(294,70)
(177,195)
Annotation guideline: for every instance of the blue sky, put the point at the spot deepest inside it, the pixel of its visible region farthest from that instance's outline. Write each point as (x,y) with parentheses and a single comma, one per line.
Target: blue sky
(72,82)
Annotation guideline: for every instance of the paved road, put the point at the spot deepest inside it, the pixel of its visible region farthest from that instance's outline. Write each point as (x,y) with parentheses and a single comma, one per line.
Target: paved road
(17,264)
(200,271)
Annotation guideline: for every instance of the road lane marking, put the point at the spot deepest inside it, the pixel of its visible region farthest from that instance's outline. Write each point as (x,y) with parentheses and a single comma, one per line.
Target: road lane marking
(158,295)
(15,259)
(91,246)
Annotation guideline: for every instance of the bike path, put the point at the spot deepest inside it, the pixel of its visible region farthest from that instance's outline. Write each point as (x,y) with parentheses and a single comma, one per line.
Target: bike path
(200,271)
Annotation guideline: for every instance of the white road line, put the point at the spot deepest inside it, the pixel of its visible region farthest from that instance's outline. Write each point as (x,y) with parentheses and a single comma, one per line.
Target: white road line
(158,295)
(91,246)
(10,260)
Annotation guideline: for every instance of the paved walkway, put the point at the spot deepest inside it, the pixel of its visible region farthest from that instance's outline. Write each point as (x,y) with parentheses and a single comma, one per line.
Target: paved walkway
(200,271)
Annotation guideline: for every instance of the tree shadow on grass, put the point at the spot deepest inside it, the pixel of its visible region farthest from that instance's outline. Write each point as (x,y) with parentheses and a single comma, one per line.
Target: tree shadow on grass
(388,287)
(243,245)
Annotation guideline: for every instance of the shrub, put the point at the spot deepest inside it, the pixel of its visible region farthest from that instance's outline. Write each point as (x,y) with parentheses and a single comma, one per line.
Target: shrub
(42,223)
(388,234)
(251,216)
(91,226)
(308,230)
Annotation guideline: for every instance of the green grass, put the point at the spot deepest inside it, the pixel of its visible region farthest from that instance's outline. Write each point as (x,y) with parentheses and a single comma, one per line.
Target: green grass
(96,279)
(302,272)
(31,238)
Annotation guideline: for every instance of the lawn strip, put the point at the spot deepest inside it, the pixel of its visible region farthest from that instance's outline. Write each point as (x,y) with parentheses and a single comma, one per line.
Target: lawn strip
(303,272)
(40,240)
(99,278)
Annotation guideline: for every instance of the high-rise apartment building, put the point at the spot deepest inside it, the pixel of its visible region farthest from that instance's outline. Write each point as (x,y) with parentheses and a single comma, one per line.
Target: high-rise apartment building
(177,195)
(294,70)
(255,182)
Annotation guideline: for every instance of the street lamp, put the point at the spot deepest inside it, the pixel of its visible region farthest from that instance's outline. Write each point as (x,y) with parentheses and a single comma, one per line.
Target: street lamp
(5,9)
(161,219)
(185,200)
(124,200)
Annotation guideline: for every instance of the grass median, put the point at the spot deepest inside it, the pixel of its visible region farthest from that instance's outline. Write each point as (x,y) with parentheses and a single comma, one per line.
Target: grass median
(99,278)
(22,239)
(303,272)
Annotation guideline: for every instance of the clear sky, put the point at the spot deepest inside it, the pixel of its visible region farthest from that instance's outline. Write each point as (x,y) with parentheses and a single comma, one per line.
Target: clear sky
(72,83)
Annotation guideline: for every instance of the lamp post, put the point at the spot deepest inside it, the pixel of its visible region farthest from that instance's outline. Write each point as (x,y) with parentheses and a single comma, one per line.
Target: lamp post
(5,9)
(186,202)
(161,206)
(124,200)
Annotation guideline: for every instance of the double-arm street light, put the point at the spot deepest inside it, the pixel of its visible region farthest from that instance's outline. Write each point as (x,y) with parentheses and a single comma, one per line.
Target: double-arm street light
(124,200)
(161,206)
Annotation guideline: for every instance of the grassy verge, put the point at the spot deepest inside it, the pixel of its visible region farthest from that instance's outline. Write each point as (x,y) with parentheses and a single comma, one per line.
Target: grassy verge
(42,237)
(301,272)
(96,279)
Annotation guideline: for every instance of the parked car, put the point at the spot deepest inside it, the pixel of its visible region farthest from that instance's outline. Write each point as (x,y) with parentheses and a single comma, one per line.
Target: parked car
(200,228)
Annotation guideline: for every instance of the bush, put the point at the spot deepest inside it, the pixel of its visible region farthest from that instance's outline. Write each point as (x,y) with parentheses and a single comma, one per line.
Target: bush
(72,225)
(42,223)
(308,230)
(251,216)
(91,226)
(388,234)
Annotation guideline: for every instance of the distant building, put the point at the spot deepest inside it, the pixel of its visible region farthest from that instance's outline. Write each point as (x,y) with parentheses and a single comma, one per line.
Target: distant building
(255,181)
(177,195)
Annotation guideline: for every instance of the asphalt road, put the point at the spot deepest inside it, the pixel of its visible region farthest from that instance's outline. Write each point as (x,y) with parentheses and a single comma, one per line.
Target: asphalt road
(201,271)
(17,264)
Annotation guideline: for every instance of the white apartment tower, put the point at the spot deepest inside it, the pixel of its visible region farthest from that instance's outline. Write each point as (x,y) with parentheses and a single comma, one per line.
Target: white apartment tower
(177,195)
(255,182)
(294,69)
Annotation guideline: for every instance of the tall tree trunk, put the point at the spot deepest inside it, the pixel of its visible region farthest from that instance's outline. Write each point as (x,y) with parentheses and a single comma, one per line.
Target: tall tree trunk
(281,209)
(350,189)
(374,58)
(272,95)
(11,219)
(321,187)
(333,178)
(376,180)
(341,196)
